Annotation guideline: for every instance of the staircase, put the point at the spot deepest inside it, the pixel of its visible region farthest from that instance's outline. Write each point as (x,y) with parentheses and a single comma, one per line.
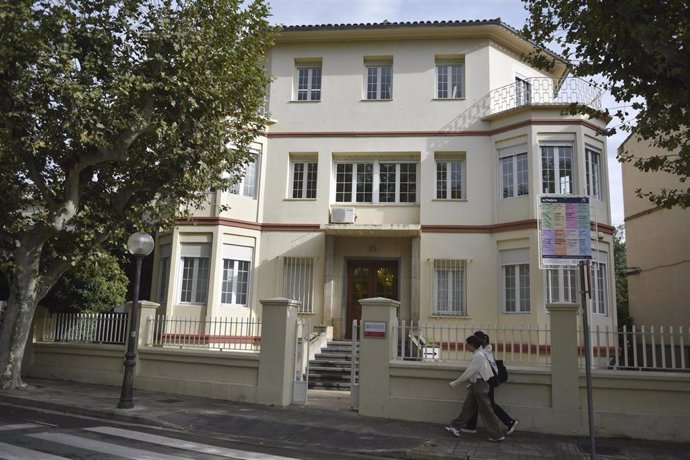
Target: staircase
(330,369)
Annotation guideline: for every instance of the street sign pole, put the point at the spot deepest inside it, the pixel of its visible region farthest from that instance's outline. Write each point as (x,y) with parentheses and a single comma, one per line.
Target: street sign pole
(585,290)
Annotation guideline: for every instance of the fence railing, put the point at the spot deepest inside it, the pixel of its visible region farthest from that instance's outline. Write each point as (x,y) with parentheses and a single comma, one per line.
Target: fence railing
(544,91)
(107,328)
(643,348)
(231,334)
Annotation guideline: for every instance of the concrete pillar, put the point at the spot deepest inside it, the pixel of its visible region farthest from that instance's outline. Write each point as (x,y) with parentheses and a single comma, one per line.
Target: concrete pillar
(328,280)
(375,353)
(565,393)
(148,311)
(277,359)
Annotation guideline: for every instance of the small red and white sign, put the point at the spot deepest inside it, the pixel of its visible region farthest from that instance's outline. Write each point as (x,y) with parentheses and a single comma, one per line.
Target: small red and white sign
(375,329)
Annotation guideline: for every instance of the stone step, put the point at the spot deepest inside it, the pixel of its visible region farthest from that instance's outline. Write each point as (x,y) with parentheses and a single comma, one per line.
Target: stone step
(338,386)
(331,356)
(321,377)
(330,369)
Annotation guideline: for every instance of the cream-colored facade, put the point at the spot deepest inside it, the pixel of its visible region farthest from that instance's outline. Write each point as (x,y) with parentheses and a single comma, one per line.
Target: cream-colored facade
(657,244)
(402,161)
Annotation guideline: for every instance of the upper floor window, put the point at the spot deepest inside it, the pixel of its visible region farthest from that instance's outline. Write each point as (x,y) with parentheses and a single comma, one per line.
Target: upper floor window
(593,164)
(557,171)
(298,282)
(515,281)
(308,79)
(514,179)
(376,182)
(523,91)
(450,76)
(449,287)
(303,179)
(194,274)
(236,267)
(248,184)
(450,178)
(378,79)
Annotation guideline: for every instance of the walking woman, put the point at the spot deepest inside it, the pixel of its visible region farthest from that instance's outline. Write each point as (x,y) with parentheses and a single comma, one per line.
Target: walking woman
(477,374)
(502,415)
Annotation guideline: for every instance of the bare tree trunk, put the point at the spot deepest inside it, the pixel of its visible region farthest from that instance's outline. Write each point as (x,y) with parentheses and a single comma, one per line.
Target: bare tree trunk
(18,316)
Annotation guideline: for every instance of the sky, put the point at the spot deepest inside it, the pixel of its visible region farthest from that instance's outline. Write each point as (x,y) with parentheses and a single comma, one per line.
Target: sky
(511,12)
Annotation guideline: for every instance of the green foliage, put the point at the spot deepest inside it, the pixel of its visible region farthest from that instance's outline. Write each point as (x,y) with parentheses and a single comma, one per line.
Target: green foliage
(621,270)
(96,284)
(118,115)
(642,49)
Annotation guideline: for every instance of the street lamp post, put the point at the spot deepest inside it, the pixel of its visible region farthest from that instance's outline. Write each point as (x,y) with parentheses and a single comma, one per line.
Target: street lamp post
(140,245)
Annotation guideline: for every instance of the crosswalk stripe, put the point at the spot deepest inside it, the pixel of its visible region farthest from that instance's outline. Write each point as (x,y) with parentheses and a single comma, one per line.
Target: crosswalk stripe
(102,447)
(186,445)
(11,452)
(18,426)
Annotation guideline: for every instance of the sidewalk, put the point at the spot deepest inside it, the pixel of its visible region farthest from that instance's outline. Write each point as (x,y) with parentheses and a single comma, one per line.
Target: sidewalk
(326,422)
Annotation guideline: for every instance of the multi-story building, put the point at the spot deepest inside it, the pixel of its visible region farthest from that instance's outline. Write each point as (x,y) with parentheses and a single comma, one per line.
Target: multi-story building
(657,244)
(402,160)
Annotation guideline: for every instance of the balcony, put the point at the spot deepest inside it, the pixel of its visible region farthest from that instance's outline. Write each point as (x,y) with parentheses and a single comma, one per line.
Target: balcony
(543,92)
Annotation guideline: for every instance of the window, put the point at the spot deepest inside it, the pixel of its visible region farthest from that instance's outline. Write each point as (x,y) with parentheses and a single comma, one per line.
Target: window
(593,163)
(557,169)
(449,287)
(304,179)
(235,285)
(523,91)
(248,184)
(379,81)
(514,175)
(450,179)
(163,273)
(450,79)
(194,276)
(297,281)
(600,291)
(376,182)
(308,85)
(515,280)
(561,285)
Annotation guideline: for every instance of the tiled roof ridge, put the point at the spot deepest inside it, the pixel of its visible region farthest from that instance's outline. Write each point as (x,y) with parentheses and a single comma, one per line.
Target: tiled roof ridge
(390,24)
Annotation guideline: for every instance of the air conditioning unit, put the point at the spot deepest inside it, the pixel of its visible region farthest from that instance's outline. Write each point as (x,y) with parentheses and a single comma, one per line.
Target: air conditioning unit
(343,215)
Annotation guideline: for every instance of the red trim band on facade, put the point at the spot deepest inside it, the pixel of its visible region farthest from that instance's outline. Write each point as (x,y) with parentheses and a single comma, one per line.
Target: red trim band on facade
(276,227)
(487,132)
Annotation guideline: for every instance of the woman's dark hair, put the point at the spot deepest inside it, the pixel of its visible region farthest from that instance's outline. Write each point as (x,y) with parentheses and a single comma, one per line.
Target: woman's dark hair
(475,341)
(483,337)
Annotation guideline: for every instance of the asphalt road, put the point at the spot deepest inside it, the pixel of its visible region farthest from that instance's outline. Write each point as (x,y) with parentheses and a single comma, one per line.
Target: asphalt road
(29,433)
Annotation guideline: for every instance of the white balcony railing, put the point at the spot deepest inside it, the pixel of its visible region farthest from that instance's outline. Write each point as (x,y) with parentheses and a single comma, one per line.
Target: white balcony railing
(544,91)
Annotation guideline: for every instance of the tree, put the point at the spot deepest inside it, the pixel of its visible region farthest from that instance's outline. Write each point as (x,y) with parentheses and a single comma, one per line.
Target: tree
(95,285)
(115,115)
(621,269)
(642,50)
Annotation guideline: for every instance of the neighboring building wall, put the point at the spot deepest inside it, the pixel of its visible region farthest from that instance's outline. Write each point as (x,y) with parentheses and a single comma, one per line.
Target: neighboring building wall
(657,242)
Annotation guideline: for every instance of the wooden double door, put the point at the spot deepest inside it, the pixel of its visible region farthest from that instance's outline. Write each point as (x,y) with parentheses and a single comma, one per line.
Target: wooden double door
(369,278)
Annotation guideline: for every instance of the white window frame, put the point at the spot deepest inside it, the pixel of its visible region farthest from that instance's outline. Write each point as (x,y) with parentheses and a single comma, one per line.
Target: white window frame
(450,300)
(304,190)
(248,186)
(523,91)
(560,152)
(594,173)
(445,185)
(401,191)
(298,282)
(600,283)
(197,258)
(164,272)
(566,280)
(515,262)
(447,71)
(312,90)
(513,179)
(376,87)
(236,260)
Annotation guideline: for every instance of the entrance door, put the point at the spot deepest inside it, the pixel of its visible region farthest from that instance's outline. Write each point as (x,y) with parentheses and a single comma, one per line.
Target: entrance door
(365,279)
